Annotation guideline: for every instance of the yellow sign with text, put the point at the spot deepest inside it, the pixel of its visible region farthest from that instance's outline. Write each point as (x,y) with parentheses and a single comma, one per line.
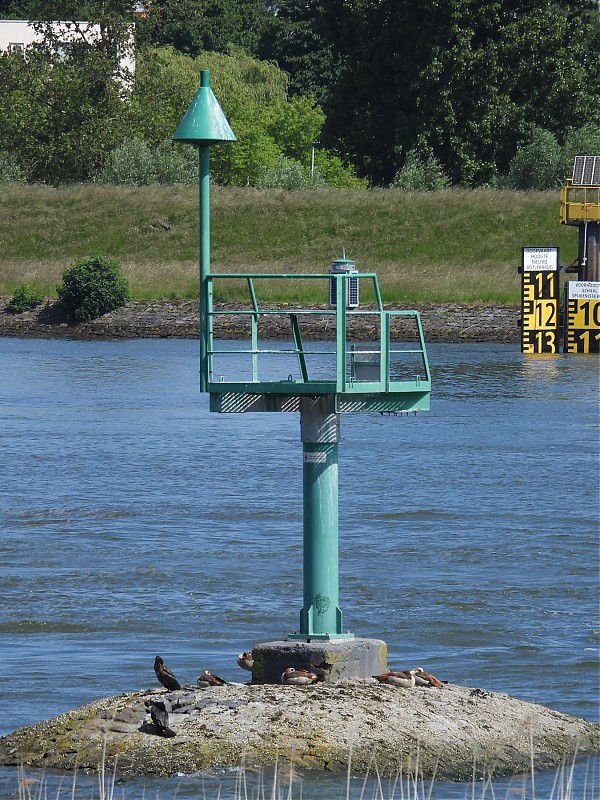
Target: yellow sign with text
(582,318)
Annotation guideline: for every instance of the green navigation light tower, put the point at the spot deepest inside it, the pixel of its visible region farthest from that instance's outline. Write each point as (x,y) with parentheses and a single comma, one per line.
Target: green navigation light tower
(390,373)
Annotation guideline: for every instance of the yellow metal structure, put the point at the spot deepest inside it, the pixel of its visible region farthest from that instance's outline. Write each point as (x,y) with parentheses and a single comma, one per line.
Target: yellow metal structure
(579,204)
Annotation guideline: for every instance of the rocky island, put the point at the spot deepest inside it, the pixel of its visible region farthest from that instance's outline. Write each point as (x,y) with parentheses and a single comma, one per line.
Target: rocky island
(445,731)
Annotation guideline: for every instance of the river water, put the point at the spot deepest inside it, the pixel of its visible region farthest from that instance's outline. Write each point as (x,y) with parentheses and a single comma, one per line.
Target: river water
(134,522)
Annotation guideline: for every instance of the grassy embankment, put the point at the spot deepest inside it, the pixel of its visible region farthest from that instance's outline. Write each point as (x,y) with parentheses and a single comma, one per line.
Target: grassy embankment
(453,246)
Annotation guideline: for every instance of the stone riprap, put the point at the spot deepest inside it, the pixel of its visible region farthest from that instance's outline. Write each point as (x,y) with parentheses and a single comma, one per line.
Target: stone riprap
(447,731)
(179,319)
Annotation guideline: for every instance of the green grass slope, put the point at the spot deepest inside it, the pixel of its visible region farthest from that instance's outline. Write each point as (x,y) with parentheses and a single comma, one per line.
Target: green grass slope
(450,246)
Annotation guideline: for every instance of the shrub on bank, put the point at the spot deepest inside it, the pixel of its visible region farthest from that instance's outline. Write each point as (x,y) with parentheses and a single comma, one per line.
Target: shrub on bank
(287,173)
(421,173)
(24,299)
(92,287)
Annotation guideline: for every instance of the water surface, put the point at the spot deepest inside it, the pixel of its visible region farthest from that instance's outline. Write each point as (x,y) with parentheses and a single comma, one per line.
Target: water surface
(134,522)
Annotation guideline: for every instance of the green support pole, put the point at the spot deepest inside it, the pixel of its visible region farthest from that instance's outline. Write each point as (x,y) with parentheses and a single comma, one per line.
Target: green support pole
(204,201)
(203,125)
(320,617)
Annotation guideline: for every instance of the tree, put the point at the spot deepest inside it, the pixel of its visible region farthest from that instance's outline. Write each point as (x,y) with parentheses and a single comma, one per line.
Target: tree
(542,163)
(58,117)
(109,33)
(462,78)
(502,70)
(13,10)
(62,109)
(296,39)
(192,26)
(254,97)
(421,173)
(249,91)
(295,126)
(537,165)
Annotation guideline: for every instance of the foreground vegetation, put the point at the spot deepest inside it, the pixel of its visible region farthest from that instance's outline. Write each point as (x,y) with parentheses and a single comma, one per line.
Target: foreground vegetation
(286,783)
(454,245)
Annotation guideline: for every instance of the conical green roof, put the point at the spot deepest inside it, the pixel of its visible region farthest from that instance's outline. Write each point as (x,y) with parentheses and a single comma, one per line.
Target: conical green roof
(204,122)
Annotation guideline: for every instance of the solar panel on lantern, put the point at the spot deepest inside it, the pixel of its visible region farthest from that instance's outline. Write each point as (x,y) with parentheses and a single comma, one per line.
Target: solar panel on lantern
(586,171)
(577,170)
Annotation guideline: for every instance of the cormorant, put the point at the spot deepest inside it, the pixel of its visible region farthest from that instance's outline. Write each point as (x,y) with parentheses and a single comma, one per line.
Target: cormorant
(164,675)
(159,712)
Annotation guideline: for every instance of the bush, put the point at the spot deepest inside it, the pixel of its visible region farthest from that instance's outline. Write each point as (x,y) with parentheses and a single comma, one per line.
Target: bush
(92,287)
(335,174)
(131,164)
(288,173)
(539,164)
(134,163)
(10,171)
(421,174)
(175,163)
(543,163)
(24,299)
(584,141)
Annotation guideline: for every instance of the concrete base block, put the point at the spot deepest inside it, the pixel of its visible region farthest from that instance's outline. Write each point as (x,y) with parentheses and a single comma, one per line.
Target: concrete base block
(333,660)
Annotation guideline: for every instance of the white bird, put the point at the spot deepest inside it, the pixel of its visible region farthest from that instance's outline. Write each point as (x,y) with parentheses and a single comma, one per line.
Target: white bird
(207,679)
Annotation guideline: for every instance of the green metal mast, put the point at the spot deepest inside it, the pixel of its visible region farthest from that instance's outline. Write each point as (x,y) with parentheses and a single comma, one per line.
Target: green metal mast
(204,124)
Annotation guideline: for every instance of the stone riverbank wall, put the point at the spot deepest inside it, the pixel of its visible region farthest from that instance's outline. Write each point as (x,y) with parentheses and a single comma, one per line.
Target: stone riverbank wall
(179,319)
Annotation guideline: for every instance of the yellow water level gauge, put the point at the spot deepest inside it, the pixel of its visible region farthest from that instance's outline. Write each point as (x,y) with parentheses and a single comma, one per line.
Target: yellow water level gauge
(582,317)
(539,300)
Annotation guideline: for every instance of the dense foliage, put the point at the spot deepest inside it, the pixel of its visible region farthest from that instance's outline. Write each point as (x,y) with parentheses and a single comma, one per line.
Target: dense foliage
(465,81)
(10,171)
(92,287)
(407,93)
(24,299)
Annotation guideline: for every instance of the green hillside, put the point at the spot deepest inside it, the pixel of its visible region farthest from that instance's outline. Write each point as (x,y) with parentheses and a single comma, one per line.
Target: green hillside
(448,246)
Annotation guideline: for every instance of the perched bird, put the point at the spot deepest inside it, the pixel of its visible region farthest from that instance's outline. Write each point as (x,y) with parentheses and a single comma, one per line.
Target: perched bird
(208,679)
(405,678)
(164,675)
(159,712)
(245,660)
(298,677)
(423,678)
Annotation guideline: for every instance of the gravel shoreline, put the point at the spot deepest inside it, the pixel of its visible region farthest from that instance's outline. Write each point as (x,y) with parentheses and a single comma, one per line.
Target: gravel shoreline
(179,319)
(448,731)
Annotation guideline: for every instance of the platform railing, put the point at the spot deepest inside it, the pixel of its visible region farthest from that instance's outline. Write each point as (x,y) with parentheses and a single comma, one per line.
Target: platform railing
(359,368)
(579,203)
